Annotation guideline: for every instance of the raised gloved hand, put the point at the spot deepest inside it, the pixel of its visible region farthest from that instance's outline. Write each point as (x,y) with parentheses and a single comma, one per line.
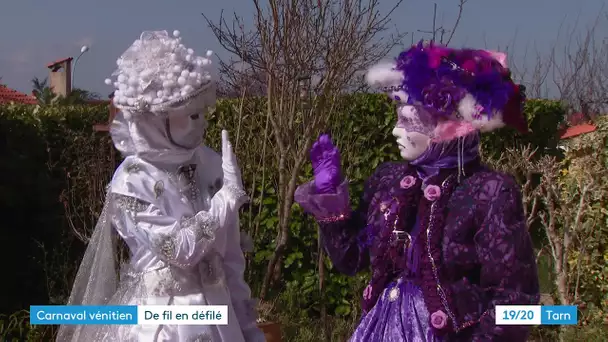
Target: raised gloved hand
(326,165)
(233,180)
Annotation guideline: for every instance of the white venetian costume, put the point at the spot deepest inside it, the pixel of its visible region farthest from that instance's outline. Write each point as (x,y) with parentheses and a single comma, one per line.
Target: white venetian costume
(173,201)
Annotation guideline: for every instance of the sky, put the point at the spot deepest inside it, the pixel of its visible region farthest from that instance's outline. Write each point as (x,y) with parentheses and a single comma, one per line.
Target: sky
(36,32)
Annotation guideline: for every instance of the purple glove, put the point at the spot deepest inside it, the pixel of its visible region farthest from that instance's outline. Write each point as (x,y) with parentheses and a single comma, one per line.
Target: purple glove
(325,159)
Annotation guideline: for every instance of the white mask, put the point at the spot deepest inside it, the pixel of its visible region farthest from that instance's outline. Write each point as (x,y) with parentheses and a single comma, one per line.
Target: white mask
(413,131)
(186,130)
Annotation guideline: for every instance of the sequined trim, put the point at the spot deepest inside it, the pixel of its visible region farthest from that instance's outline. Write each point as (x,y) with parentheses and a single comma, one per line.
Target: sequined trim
(167,283)
(440,289)
(211,268)
(204,337)
(159,188)
(131,204)
(203,226)
(331,219)
(393,294)
(133,168)
(166,245)
(236,193)
(186,176)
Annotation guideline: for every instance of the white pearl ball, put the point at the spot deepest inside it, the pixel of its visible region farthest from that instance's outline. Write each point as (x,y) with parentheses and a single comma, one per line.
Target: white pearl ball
(121,78)
(177,69)
(209,53)
(184,93)
(119,62)
(173,57)
(190,51)
(188,88)
(181,81)
(171,76)
(206,61)
(162,77)
(122,86)
(159,93)
(133,81)
(130,91)
(108,81)
(185,73)
(193,74)
(176,33)
(188,58)
(130,101)
(146,73)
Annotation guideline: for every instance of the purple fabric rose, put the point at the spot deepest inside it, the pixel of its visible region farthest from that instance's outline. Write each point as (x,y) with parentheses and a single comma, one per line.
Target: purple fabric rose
(432,192)
(439,319)
(442,98)
(325,158)
(407,182)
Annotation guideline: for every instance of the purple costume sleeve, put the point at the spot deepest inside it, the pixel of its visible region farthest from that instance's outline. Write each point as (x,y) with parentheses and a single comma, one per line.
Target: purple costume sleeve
(506,254)
(341,229)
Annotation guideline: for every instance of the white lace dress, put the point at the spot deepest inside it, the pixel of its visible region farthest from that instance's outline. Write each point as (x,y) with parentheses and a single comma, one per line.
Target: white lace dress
(179,257)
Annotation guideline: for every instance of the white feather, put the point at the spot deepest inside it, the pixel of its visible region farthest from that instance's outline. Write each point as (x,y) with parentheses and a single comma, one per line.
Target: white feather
(383,75)
(467,107)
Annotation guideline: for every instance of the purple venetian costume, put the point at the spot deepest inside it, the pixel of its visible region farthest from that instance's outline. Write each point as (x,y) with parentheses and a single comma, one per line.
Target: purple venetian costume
(444,236)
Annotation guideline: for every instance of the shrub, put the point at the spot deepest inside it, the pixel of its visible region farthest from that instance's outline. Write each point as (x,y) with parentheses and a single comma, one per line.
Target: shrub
(59,167)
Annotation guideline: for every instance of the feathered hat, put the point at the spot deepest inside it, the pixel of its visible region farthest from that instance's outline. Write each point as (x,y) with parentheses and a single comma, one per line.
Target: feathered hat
(466,87)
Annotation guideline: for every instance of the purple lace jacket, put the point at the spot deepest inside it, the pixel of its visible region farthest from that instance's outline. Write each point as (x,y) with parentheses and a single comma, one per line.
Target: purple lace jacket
(467,245)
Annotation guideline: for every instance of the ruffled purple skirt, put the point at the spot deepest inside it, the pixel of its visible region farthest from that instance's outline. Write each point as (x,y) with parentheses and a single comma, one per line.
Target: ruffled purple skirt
(400,315)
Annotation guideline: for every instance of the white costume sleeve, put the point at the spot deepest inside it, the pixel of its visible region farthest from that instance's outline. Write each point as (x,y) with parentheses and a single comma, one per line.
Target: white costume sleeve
(181,243)
(234,264)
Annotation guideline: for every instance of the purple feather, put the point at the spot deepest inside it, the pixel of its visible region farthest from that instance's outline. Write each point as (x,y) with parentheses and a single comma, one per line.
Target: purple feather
(438,77)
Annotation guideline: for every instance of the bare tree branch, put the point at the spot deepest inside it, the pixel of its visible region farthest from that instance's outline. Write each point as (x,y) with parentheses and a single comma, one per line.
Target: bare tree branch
(301,55)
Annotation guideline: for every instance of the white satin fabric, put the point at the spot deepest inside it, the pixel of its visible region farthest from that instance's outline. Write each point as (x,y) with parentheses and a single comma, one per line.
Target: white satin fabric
(183,233)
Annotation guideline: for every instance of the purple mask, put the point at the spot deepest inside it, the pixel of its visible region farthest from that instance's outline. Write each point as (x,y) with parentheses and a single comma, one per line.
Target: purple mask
(416,119)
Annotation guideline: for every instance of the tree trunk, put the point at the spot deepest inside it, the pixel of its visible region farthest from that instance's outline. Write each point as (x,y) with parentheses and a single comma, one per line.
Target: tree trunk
(561,283)
(281,246)
(288,190)
(323,306)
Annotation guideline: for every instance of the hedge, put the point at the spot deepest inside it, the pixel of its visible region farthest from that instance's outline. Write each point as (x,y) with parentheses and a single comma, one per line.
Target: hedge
(55,168)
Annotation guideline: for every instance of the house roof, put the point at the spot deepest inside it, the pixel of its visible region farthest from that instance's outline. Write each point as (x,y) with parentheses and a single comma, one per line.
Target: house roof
(577,130)
(8,95)
(54,64)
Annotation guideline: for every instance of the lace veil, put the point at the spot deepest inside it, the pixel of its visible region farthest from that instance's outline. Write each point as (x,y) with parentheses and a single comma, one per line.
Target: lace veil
(97,280)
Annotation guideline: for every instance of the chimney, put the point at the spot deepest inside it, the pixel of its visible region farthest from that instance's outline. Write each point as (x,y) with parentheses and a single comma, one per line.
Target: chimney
(60,75)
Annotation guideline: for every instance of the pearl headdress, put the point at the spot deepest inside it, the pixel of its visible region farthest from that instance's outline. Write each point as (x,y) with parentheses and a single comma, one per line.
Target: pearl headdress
(158,73)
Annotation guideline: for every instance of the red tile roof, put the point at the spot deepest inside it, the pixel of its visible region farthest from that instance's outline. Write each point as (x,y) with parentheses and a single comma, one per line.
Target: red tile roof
(578,130)
(8,95)
(53,64)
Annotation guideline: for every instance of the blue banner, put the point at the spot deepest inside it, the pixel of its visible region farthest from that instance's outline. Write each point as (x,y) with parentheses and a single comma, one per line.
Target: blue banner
(558,315)
(68,314)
